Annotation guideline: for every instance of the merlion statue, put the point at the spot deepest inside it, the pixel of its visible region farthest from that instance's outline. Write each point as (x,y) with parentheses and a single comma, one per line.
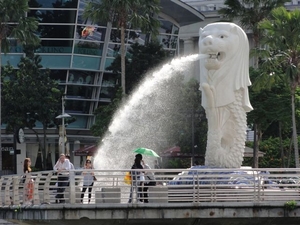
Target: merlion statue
(224,81)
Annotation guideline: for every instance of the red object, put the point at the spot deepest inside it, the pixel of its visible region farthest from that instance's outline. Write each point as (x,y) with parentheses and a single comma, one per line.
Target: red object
(89,150)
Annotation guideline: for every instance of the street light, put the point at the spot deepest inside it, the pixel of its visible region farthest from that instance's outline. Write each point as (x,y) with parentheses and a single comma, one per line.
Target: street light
(62,132)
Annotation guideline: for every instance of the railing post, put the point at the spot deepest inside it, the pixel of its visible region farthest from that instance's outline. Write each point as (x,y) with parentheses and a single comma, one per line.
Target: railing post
(7,199)
(36,195)
(72,194)
(15,189)
(46,191)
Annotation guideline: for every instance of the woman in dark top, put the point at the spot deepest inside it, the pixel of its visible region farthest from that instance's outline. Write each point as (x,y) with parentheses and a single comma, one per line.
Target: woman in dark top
(136,178)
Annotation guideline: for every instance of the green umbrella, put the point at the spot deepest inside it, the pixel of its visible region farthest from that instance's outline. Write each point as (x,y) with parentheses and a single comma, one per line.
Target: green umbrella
(146,151)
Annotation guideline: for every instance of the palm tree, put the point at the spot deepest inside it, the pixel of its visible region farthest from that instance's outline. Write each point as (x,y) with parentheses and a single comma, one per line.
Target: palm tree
(15,26)
(282,55)
(249,13)
(122,14)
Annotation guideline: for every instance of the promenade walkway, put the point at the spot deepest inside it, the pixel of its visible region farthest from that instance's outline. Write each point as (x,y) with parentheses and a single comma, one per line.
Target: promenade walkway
(193,196)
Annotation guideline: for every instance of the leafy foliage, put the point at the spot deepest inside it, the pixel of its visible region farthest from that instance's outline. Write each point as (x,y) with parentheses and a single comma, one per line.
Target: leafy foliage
(125,14)
(281,54)
(29,95)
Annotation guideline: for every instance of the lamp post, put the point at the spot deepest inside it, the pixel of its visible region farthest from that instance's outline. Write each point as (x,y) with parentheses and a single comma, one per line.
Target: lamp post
(63,129)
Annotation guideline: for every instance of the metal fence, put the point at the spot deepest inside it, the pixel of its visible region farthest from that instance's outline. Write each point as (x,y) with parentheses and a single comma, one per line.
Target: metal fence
(172,186)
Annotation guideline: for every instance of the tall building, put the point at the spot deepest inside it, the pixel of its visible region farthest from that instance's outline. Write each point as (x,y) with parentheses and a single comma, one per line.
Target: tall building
(78,52)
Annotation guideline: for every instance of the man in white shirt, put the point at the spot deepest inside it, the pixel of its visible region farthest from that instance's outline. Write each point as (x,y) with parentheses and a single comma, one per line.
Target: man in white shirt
(71,164)
(62,168)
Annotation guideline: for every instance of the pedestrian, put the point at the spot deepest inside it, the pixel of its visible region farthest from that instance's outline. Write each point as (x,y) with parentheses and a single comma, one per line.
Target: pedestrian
(88,180)
(137,179)
(149,181)
(71,164)
(28,183)
(62,167)
(156,164)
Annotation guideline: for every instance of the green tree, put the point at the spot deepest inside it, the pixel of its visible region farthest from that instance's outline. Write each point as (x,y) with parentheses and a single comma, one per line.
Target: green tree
(15,26)
(281,56)
(249,13)
(123,14)
(30,95)
(272,101)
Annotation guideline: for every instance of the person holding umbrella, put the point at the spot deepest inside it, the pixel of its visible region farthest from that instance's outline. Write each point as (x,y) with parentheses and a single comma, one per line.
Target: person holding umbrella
(149,180)
(137,177)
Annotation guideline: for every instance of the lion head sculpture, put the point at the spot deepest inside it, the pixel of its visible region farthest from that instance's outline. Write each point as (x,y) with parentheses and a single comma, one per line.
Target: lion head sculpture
(225,66)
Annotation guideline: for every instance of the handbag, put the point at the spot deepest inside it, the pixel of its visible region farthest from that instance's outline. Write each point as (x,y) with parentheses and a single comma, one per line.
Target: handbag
(142,177)
(94,178)
(127,178)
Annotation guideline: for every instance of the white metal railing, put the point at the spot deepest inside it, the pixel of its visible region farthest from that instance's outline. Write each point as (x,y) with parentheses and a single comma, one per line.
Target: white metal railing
(172,186)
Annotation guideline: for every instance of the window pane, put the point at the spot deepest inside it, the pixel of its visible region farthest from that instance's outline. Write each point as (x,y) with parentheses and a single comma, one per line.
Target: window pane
(90,33)
(80,122)
(54,61)
(81,77)
(53,16)
(56,31)
(109,80)
(61,46)
(85,62)
(80,92)
(113,50)
(107,92)
(168,41)
(53,3)
(58,75)
(75,106)
(13,59)
(88,48)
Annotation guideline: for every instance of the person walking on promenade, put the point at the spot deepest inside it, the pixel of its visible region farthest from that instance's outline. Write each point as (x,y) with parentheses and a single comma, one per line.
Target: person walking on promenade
(62,168)
(28,183)
(149,181)
(137,179)
(88,180)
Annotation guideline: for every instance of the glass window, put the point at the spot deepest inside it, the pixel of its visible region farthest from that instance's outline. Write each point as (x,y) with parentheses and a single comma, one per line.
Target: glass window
(15,46)
(113,50)
(56,31)
(107,92)
(80,122)
(85,62)
(80,92)
(88,48)
(58,75)
(81,77)
(77,106)
(53,16)
(56,61)
(168,41)
(57,46)
(109,80)
(166,27)
(53,3)
(90,33)
(13,59)
(108,62)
